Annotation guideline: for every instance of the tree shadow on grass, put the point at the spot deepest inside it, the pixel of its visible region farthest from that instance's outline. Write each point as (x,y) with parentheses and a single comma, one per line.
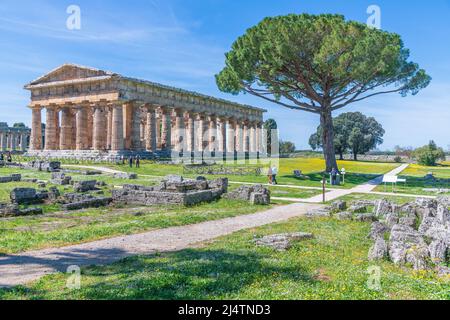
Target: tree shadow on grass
(188,274)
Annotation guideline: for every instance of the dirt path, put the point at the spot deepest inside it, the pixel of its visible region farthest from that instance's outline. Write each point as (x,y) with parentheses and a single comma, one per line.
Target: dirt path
(23,268)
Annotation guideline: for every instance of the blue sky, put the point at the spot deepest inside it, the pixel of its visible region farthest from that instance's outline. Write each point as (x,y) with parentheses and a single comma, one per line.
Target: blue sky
(182,43)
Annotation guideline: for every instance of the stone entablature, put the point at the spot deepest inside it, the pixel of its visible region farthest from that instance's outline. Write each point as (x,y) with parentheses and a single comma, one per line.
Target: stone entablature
(91,109)
(14,138)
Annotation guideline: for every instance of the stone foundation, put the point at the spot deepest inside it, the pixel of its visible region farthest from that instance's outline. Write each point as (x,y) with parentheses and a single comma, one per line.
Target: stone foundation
(172,191)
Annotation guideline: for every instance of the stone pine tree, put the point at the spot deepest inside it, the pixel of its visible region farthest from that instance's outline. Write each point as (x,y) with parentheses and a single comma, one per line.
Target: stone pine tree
(319,64)
(352,131)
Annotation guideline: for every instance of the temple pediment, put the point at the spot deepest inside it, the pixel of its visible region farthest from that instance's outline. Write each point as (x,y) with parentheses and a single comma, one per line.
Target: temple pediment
(69,72)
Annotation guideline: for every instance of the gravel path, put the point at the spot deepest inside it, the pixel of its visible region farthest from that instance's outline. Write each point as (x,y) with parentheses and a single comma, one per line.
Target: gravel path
(23,268)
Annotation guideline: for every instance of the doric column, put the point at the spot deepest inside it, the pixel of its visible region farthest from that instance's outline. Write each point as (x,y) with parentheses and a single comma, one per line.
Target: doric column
(180,134)
(51,128)
(36,129)
(109,127)
(200,132)
(82,128)
(258,137)
(150,140)
(135,127)
(65,135)
(212,133)
(166,134)
(23,141)
(190,132)
(253,137)
(222,136)
(158,132)
(239,137)
(117,140)
(13,141)
(246,136)
(3,141)
(90,126)
(231,136)
(99,137)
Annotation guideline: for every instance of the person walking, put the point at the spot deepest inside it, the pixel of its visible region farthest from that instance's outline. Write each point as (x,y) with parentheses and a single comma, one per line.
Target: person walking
(138,161)
(274,175)
(2,157)
(270,175)
(123,159)
(130,161)
(9,157)
(334,174)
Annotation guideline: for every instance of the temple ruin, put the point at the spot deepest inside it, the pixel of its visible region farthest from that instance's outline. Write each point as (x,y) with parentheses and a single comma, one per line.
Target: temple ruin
(90,111)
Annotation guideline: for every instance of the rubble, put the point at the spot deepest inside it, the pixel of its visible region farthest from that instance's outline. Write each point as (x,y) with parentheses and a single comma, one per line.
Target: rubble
(255,194)
(282,242)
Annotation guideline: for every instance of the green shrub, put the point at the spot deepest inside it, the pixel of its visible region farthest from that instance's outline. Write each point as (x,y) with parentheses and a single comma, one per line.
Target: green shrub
(429,155)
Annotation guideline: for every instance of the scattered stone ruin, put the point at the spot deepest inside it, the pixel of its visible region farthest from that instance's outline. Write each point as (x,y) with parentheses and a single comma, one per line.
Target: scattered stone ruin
(61,179)
(173,190)
(282,242)
(13,210)
(11,178)
(416,233)
(40,165)
(255,194)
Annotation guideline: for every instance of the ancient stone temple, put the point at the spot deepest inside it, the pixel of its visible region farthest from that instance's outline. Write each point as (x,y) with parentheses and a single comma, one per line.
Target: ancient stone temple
(90,111)
(15,138)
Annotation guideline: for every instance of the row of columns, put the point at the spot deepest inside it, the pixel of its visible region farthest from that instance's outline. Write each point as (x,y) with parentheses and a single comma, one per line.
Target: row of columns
(13,141)
(131,126)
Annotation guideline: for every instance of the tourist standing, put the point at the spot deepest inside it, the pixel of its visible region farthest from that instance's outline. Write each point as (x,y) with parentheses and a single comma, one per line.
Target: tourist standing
(334,174)
(2,157)
(130,161)
(123,159)
(270,175)
(274,175)
(9,157)
(138,161)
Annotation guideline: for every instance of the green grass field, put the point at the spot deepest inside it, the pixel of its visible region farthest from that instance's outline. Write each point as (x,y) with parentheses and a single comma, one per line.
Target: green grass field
(334,265)
(357,172)
(415,183)
(58,229)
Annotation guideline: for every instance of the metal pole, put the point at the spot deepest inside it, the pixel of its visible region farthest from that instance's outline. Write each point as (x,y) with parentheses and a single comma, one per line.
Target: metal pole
(323,189)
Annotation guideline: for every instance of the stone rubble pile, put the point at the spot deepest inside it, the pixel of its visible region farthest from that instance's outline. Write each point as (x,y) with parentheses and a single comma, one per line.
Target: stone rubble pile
(13,210)
(282,242)
(27,196)
(255,194)
(85,186)
(172,190)
(125,175)
(49,166)
(61,179)
(416,233)
(11,178)
(77,201)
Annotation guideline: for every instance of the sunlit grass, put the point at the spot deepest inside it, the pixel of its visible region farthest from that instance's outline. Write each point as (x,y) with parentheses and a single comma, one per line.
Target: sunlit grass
(333,265)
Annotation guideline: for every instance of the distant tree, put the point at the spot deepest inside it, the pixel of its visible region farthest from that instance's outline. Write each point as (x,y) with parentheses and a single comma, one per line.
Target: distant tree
(429,155)
(286,147)
(353,131)
(270,125)
(319,64)
(403,151)
(19,125)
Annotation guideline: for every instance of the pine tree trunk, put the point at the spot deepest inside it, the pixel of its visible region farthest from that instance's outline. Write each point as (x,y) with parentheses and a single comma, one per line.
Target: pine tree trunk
(326,121)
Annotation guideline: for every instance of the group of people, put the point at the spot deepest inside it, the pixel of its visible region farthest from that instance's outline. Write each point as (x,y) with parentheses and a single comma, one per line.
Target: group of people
(8,157)
(136,161)
(272,175)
